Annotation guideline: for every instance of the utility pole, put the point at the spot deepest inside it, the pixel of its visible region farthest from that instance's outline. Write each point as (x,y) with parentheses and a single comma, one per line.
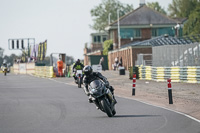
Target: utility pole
(119,38)
(109,18)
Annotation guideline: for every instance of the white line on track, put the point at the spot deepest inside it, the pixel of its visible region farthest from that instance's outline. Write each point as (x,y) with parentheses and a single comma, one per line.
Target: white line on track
(163,108)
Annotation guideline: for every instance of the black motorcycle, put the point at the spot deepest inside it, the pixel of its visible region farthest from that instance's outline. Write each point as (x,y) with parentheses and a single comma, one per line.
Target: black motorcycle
(102,97)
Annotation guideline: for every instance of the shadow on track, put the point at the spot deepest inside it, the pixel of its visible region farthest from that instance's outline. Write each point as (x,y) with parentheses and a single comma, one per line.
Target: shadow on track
(125,116)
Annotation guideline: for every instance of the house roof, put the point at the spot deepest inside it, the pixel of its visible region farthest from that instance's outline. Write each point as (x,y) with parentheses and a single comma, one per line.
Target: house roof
(181,20)
(165,40)
(100,33)
(145,16)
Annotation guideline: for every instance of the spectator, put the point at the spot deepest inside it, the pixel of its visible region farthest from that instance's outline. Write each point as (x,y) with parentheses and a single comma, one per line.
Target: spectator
(120,62)
(115,66)
(101,63)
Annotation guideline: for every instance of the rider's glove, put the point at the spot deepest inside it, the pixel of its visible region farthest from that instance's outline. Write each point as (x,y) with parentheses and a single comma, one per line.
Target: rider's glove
(106,83)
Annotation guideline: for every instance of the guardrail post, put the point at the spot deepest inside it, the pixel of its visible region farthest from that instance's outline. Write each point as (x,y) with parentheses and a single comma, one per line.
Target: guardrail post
(170,91)
(134,84)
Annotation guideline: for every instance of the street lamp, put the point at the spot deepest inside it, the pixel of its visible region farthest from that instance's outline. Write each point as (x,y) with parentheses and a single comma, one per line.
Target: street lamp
(109,18)
(119,38)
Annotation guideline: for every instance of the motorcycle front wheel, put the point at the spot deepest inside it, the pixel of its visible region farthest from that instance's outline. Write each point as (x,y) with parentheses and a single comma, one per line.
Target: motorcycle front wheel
(107,109)
(5,73)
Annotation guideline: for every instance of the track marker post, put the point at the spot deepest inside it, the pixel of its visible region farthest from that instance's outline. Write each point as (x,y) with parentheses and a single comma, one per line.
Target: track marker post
(134,84)
(170,91)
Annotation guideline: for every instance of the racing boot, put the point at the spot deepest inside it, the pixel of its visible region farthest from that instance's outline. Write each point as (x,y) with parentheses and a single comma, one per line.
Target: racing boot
(90,99)
(86,91)
(75,79)
(112,91)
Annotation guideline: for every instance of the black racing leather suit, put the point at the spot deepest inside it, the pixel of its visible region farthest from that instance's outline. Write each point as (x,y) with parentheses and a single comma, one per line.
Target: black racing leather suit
(95,76)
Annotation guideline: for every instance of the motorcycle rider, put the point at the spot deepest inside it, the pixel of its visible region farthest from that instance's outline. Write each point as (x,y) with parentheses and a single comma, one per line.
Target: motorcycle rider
(90,76)
(77,66)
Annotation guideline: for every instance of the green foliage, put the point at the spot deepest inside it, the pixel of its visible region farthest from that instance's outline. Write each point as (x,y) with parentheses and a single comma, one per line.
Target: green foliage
(1,52)
(70,59)
(86,45)
(156,6)
(46,61)
(107,46)
(181,8)
(174,9)
(101,12)
(192,26)
(9,59)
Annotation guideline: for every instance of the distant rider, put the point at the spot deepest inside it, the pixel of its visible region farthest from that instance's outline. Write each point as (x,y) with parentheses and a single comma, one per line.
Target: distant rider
(4,65)
(90,76)
(77,66)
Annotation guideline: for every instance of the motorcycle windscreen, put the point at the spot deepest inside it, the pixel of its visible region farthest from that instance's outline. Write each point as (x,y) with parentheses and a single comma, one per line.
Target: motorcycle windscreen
(97,88)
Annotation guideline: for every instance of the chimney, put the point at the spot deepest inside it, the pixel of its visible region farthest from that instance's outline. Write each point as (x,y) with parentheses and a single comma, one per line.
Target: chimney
(142,3)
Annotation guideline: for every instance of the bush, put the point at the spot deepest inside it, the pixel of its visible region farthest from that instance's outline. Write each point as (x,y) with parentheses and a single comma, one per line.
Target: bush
(107,46)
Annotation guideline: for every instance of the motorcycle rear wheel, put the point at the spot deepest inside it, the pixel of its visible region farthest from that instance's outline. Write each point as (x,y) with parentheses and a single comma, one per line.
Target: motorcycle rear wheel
(114,112)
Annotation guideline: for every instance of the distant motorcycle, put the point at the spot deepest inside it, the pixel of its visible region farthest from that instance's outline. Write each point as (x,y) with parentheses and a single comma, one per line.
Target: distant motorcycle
(79,77)
(102,97)
(4,69)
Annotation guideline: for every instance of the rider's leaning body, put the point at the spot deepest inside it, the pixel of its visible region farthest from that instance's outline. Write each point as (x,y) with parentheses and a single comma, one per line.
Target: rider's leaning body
(90,76)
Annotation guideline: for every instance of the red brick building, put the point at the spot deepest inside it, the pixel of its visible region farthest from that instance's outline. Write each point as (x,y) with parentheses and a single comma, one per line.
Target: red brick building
(96,46)
(135,27)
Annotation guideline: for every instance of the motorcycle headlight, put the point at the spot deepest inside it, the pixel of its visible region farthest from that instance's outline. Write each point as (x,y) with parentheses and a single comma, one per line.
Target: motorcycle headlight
(93,91)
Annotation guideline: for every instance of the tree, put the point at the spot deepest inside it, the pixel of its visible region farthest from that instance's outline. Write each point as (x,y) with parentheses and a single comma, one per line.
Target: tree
(192,26)
(1,52)
(101,12)
(181,8)
(107,46)
(156,6)
(70,60)
(174,9)
(8,59)
(46,61)
(1,55)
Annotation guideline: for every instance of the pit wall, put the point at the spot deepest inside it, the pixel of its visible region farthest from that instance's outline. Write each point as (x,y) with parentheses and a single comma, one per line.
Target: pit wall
(30,68)
(176,74)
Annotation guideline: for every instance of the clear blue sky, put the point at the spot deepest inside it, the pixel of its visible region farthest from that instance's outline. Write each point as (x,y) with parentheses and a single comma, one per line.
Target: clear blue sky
(64,23)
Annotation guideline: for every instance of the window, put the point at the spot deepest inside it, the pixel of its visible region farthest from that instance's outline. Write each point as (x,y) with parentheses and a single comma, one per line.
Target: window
(98,38)
(104,38)
(126,33)
(95,39)
(137,33)
(154,32)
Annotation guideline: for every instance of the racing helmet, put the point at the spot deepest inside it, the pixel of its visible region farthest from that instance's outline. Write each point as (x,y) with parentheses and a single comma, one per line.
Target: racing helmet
(87,70)
(78,61)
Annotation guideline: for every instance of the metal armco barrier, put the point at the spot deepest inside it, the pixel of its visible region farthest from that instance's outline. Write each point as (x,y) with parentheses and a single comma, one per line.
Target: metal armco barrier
(188,74)
(148,74)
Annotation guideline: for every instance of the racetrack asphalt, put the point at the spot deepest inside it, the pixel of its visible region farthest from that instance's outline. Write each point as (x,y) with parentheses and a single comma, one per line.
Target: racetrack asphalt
(31,104)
